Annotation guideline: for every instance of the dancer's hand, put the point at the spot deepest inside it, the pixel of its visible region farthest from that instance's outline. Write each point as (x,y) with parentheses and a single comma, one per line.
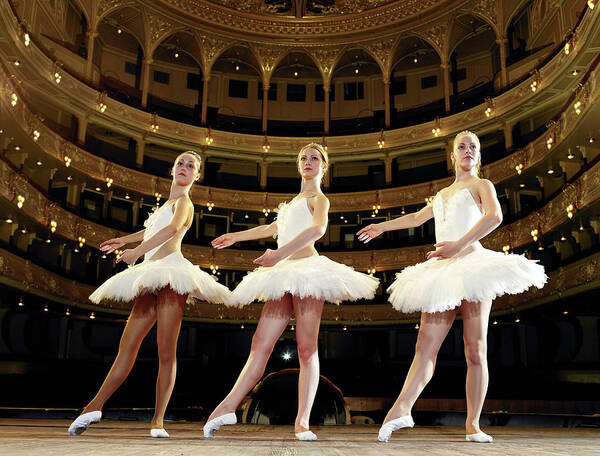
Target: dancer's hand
(369,232)
(111,245)
(445,249)
(267,259)
(129,256)
(225,240)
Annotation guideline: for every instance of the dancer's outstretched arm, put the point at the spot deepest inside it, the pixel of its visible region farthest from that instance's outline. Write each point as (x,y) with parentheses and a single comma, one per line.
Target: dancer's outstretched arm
(492,217)
(406,221)
(183,207)
(304,238)
(258,232)
(113,244)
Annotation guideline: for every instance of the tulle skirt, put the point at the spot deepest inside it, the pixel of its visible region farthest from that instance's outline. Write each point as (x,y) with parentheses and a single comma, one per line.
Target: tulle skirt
(481,275)
(152,275)
(315,276)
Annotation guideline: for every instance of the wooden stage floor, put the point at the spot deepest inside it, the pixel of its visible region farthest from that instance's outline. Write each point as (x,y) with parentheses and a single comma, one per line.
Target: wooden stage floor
(123,438)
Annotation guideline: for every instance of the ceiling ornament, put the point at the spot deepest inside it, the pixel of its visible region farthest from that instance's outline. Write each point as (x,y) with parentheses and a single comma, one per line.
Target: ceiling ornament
(245,6)
(353,6)
(267,20)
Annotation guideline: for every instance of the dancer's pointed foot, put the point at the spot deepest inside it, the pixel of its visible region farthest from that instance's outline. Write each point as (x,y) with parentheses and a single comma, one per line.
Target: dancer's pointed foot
(393,425)
(306,436)
(479,437)
(159,433)
(83,421)
(213,425)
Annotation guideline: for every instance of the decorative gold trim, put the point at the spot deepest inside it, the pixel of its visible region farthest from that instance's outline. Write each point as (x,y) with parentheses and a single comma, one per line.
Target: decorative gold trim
(571,279)
(516,234)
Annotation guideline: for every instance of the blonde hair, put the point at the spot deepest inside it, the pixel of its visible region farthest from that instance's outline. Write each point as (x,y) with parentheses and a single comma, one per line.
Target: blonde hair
(475,139)
(318,147)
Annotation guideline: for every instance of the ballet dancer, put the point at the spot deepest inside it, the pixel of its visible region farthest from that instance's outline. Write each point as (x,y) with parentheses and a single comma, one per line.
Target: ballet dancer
(459,275)
(292,278)
(160,286)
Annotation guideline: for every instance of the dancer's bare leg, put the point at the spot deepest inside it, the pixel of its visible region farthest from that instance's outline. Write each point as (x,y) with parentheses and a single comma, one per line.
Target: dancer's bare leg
(432,332)
(308,319)
(141,320)
(169,313)
(475,325)
(273,320)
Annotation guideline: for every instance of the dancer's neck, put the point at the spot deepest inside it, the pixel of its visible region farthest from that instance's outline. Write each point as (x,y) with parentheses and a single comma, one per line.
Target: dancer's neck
(177,191)
(310,187)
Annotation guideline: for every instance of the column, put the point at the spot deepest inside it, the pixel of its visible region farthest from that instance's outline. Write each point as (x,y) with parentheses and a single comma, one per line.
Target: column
(145,81)
(327,177)
(386,100)
(263,174)
(446,69)
(503,72)
(326,92)
(90,54)
(388,170)
(265,105)
(205,80)
(508,139)
(74,190)
(449,164)
(202,166)
(140,145)
(135,212)
(106,202)
(82,123)
(514,202)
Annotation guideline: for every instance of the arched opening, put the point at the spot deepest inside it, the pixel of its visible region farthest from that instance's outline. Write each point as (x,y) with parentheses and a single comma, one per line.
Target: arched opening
(175,87)
(118,52)
(76,27)
(236,74)
(297,85)
(356,83)
(474,62)
(518,35)
(417,87)
(274,401)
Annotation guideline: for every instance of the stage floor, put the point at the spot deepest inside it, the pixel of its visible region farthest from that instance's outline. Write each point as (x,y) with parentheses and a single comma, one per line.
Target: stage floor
(123,438)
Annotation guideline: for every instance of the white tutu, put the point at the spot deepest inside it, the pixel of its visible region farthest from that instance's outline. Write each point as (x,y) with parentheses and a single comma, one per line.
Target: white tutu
(316,276)
(152,275)
(481,275)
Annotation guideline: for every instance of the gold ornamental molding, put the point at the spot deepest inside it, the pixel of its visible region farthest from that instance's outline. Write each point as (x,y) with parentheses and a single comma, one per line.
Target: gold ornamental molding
(77,98)
(98,169)
(252,17)
(20,273)
(581,194)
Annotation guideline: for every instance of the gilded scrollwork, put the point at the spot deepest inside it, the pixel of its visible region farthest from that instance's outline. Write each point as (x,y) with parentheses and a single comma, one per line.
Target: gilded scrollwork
(487,9)
(436,35)
(383,52)
(358,16)
(211,47)
(157,28)
(269,56)
(326,58)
